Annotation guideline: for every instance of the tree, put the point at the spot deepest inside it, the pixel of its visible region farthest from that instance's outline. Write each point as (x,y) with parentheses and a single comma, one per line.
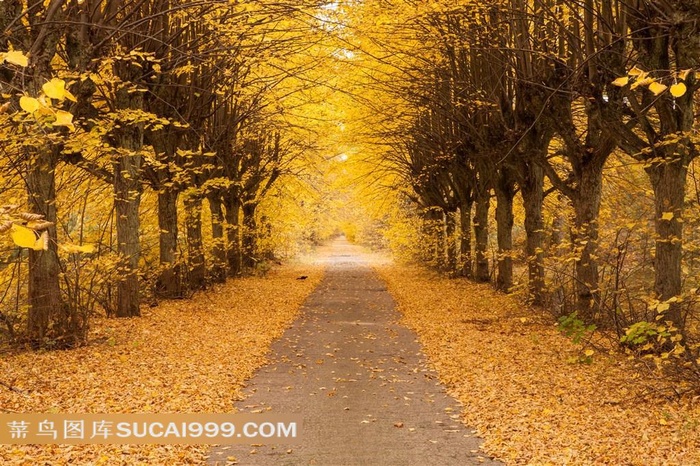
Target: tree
(660,89)
(51,322)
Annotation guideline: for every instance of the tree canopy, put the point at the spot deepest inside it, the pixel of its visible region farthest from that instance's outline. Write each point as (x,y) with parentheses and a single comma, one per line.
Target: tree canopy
(152,148)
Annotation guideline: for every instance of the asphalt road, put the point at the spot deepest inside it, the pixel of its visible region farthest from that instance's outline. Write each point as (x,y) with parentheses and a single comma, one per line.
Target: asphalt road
(357,379)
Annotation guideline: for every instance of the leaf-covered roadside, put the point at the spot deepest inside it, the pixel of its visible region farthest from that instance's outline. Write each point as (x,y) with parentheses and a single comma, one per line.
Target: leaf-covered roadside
(521,391)
(183,356)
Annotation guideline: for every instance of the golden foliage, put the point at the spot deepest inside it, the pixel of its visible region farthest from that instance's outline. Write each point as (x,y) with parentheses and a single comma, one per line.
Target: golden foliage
(657,88)
(678,90)
(15,57)
(75,248)
(621,82)
(56,89)
(26,238)
(29,104)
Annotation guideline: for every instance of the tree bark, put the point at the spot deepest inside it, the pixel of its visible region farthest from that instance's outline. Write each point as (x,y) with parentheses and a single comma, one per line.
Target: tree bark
(50,321)
(587,208)
(233,235)
(169,283)
(465,239)
(558,228)
(195,252)
(668,181)
(429,252)
(481,234)
(440,238)
(249,237)
(127,199)
(218,251)
(532,191)
(505,192)
(669,124)
(451,243)
(128,140)
(434,228)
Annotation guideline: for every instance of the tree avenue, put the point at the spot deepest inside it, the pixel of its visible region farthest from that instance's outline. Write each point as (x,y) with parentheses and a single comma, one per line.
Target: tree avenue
(152,148)
(172,102)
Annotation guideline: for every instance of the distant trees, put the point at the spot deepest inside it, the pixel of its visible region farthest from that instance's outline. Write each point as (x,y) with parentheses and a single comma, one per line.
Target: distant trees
(506,110)
(508,97)
(181,100)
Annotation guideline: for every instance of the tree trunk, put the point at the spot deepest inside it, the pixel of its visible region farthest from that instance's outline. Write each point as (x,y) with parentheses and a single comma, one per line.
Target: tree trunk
(233,234)
(249,237)
(587,208)
(128,141)
(505,192)
(195,252)
(668,181)
(429,250)
(558,228)
(434,229)
(481,234)
(465,239)
(51,322)
(451,243)
(532,191)
(440,239)
(218,250)
(127,199)
(168,284)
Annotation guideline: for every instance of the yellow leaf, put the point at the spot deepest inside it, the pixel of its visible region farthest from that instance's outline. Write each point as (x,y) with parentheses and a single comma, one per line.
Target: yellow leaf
(29,104)
(635,71)
(64,118)
(88,248)
(70,96)
(55,89)
(657,88)
(642,81)
(621,82)
(589,352)
(16,57)
(667,216)
(684,74)
(663,307)
(23,237)
(26,238)
(74,248)
(678,90)
(42,242)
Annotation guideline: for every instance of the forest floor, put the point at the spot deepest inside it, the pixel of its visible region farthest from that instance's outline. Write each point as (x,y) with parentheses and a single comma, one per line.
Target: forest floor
(514,377)
(188,356)
(531,393)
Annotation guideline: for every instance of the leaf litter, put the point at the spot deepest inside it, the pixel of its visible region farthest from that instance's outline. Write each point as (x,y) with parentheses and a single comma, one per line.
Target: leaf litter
(190,356)
(512,370)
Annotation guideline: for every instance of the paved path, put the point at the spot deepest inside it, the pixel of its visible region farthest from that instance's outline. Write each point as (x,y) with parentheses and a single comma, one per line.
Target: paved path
(359,381)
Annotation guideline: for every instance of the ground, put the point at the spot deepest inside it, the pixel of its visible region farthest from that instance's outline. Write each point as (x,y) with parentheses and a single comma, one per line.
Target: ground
(358,379)
(535,396)
(395,365)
